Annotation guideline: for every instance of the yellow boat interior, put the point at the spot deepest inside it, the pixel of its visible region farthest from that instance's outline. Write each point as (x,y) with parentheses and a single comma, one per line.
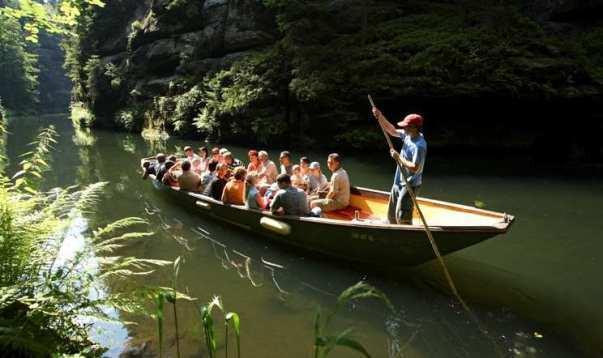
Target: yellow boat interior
(371,205)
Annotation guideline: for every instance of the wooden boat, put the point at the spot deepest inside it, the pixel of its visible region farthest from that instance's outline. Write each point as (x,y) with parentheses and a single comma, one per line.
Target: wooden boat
(358,233)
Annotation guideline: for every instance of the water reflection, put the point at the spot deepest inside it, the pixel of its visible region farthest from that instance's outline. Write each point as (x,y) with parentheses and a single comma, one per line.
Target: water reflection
(83,137)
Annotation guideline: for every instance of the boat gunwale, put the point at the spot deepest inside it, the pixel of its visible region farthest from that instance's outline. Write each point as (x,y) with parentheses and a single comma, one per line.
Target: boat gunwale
(498,228)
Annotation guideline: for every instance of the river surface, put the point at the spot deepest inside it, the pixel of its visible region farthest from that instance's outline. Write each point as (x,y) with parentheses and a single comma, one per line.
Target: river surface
(537,290)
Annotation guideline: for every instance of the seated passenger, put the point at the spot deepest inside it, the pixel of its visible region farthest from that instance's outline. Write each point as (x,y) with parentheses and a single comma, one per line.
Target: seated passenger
(222,152)
(304,165)
(189,153)
(196,166)
(317,181)
(231,161)
(253,199)
(160,168)
(234,190)
(286,165)
(209,174)
(215,188)
(168,179)
(204,156)
(173,158)
(254,162)
(288,200)
(153,167)
(145,168)
(338,196)
(267,169)
(189,180)
(215,154)
(296,178)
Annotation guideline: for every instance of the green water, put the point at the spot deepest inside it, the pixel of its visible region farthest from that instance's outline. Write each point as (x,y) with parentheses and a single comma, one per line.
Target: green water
(536,289)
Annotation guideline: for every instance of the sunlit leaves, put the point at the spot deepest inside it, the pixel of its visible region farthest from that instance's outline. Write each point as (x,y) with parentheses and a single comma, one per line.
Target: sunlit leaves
(37,16)
(44,292)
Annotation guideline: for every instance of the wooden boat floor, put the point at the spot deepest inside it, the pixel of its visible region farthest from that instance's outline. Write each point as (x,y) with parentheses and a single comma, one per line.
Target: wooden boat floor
(372,207)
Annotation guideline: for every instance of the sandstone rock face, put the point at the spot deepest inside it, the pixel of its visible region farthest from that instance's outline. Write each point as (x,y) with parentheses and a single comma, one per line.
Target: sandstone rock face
(163,59)
(154,40)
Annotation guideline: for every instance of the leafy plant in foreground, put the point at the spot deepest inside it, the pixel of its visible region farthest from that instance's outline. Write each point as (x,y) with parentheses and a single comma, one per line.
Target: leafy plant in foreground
(171,295)
(48,292)
(325,342)
(207,321)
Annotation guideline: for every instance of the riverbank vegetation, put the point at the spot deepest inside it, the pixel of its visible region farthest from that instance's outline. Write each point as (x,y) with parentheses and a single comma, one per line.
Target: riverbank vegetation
(287,73)
(52,269)
(30,58)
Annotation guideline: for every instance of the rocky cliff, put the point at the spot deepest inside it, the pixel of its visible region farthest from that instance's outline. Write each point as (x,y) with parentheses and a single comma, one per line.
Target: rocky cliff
(286,71)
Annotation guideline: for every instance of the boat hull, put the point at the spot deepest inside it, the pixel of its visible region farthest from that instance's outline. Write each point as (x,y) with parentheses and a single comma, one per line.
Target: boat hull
(380,246)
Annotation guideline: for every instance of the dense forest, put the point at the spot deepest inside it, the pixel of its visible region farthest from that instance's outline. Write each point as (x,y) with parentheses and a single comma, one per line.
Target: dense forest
(488,74)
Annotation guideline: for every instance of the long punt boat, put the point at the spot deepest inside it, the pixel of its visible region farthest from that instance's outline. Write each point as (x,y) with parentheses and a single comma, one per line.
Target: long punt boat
(358,233)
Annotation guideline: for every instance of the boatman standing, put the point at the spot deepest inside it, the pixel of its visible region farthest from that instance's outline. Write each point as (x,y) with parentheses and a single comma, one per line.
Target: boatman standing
(414,150)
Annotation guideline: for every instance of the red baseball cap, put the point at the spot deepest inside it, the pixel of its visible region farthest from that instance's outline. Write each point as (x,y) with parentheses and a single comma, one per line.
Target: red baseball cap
(411,120)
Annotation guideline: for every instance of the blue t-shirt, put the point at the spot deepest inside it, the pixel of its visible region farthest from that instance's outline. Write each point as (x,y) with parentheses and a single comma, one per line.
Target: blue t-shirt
(250,200)
(413,150)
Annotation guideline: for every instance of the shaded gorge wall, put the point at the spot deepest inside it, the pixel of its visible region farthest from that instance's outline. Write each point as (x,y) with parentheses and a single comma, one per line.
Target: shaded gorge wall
(485,74)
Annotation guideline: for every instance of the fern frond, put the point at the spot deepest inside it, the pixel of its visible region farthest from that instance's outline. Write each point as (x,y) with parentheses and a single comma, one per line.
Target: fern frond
(122,224)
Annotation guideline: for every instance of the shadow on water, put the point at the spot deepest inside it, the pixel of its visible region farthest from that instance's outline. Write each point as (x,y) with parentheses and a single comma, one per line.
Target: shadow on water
(277,290)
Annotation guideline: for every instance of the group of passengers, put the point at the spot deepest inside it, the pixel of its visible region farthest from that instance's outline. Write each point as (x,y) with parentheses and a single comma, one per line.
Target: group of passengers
(293,189)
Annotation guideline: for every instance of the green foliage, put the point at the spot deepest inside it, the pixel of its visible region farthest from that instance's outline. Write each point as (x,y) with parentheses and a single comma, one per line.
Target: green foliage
(132,117)
(36,16)
(21,21)
(18,65)
(207,321)
(172,299)
(592,45)
(126,119)
(231,98)
(325,342)
(81,116)
(158,315)
(2,115)
(186,108)
(3,121)
(115,74)
(92,71)
(232,318)
(174,4)
(136,28)
(360,138)
(308,85)
(35,162)
(44,292)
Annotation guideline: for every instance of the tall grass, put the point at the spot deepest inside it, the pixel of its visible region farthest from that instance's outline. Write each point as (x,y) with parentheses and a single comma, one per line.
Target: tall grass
(44,294)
